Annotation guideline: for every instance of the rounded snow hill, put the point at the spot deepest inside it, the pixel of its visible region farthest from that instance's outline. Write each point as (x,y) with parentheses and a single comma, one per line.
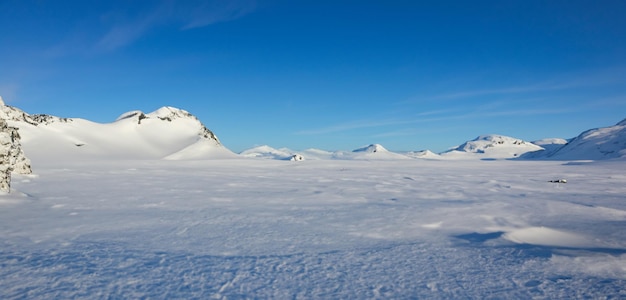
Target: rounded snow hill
(491,146)
(167,132)
(424,154)
(375,151)
(268,152)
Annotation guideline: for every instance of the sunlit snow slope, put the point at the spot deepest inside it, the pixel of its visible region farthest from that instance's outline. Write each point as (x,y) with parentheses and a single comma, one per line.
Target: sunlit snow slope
(491,146)
(600,143)
(165,133)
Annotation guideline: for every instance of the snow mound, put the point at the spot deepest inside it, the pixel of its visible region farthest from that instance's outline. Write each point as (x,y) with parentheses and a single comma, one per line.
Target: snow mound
(373,148)
(202,149)
(267,152)
(491,146)
(595,144)
(425,154)
(375,152)
(548,237)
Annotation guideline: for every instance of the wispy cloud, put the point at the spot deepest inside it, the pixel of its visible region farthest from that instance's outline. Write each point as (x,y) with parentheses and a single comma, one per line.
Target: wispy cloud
(192,14)
(352,126)
(437,116)
(565,82)
(211,12)
(122,34)
(121,26)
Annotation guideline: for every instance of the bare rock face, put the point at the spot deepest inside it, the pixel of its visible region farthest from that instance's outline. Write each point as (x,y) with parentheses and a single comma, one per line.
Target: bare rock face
(19,161)
(5,157)
(12,158)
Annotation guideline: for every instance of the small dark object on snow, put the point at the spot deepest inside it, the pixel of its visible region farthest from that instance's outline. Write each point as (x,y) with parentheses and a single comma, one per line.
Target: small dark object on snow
(559,181)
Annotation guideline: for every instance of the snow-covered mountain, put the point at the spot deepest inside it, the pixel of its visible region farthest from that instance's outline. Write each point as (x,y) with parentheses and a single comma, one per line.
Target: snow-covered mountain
(376,151)
(167,133)
(491,146)
(425,154)
(267,152)
(549,145)
(594,144)
(175,134)
(369,152)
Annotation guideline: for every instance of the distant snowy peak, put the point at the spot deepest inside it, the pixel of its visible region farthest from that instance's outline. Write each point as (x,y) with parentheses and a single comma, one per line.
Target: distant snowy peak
(375,152)
(373,148)
(427,154)
(493,146)
(168,114)
(486,142)
(268,152)
(599,143)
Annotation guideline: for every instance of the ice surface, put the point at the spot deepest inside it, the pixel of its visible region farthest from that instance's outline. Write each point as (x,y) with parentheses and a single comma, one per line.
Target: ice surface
(245,228)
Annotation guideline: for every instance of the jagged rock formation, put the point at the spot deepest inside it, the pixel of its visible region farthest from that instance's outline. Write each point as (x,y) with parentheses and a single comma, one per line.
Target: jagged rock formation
(296,157)
(12,158)
(5,160)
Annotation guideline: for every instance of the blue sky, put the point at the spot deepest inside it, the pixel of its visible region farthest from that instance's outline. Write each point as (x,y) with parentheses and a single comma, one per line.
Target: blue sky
(334,75)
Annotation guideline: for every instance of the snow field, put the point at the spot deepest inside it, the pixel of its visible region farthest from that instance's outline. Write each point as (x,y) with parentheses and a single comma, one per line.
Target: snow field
(315,229)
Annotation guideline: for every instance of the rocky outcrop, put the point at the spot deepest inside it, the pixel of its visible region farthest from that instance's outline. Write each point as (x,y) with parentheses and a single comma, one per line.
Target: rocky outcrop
(12,158)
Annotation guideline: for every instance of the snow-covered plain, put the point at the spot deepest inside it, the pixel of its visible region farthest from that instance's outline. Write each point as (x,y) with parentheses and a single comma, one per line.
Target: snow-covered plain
(246,228)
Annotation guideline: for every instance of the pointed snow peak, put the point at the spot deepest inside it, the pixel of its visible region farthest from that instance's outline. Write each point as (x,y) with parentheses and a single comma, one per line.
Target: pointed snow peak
(373,148)
(1,101)
(168,113)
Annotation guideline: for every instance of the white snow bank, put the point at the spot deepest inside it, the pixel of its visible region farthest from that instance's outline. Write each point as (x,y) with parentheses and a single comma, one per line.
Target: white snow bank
(549,237)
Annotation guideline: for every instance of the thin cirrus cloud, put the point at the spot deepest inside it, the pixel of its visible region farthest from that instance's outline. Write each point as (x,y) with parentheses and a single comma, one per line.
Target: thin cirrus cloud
(192,14)
(612,77)
(435,116)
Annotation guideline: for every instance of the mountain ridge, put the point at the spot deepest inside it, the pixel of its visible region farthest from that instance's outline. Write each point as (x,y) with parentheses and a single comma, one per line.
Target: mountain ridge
(161,134)
(176,134)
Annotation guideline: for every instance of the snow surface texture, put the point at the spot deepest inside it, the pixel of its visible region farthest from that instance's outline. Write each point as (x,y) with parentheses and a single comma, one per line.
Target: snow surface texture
(148,207)
(316,229)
